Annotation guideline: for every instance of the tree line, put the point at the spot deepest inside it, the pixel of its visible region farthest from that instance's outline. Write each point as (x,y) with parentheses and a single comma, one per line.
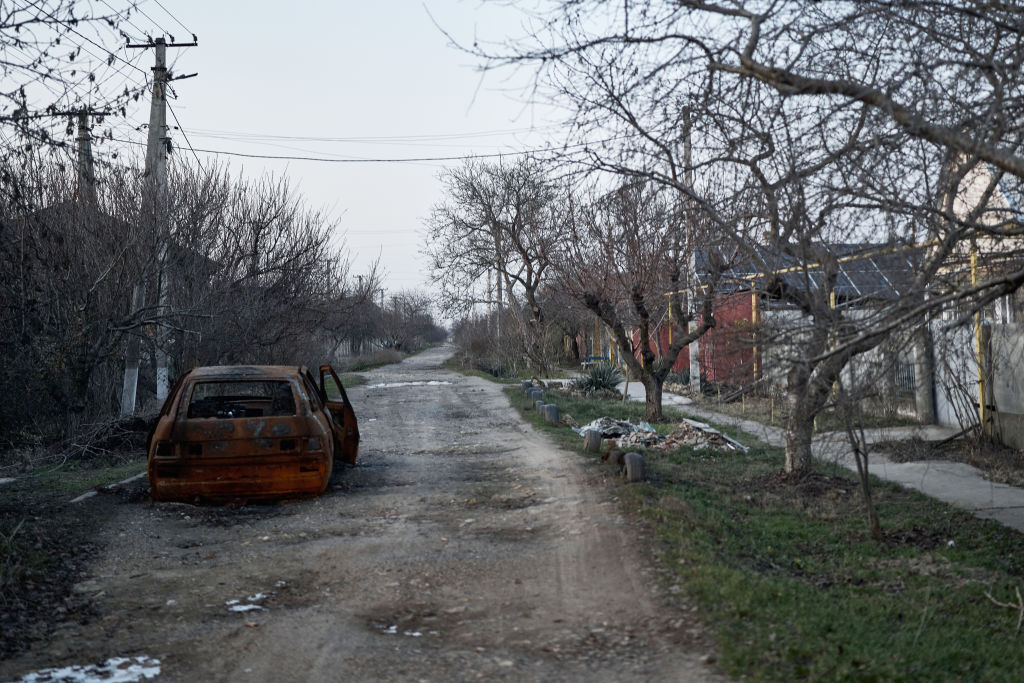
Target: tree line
(715,147)
(252,274)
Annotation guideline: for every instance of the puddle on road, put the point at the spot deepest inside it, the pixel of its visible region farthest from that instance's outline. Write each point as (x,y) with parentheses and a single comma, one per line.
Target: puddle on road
(393,385)
(114,670)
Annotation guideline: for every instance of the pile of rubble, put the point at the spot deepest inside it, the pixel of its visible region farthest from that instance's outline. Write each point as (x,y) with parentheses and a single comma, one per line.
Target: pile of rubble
(696,435)
(611,428)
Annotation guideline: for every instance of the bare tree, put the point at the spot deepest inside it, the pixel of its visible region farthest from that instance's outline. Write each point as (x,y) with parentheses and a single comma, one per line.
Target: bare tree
(625,257)
(407,324)
(65,270)
(836,123)
(500,218)
(58,58)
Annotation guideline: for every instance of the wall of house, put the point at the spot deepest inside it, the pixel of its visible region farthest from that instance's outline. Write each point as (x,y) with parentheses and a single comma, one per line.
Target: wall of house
(1006,348)
(660,342)
(727,349)
(956,375)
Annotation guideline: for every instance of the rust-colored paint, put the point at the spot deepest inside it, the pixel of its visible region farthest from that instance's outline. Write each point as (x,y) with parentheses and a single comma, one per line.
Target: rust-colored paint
(346,428)
(257,454)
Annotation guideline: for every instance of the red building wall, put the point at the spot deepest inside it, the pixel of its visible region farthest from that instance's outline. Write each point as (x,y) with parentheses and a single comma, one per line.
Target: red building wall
(727,349)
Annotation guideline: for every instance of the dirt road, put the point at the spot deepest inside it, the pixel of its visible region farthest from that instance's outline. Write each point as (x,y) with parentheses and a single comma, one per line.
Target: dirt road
(464,546)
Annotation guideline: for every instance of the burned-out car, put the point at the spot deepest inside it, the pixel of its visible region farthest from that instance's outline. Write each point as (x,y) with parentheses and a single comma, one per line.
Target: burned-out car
(251,432)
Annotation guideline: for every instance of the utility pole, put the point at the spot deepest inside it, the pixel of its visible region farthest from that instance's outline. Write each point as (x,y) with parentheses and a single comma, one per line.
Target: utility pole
(86,176)
(157,148)
(154,215)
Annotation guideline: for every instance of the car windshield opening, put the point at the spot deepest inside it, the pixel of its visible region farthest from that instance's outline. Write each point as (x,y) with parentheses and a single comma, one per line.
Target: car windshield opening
(236,398)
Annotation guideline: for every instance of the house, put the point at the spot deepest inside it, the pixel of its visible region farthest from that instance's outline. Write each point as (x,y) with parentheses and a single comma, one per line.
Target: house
(760,320)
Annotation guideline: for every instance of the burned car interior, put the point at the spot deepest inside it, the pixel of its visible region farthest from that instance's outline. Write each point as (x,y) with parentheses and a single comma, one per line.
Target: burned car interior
(231,399)
(229,433)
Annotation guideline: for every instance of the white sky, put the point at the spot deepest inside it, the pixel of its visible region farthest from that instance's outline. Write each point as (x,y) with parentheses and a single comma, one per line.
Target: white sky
(378,74)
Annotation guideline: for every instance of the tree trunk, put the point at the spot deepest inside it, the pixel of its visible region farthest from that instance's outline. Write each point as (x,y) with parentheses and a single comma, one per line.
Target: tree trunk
(924,375)
(652,387)
(799,433)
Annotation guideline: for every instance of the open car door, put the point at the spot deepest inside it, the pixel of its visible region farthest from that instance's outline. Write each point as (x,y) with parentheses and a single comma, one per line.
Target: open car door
(346,431)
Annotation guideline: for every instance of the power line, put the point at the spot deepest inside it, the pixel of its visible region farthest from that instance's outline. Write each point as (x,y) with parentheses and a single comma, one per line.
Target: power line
(372,161)
(241,135)
(185,135)
(82,35)
(395,160)
(168,12)
(125,18)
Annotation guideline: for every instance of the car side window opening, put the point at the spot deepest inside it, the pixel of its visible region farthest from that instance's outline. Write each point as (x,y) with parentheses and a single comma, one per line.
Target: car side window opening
(315,398)
(332,390)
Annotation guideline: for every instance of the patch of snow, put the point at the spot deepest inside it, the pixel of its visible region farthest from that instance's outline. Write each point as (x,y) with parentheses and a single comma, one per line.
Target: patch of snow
(393,385)
(244,608)
(114,670)
(6,480)
(84,496)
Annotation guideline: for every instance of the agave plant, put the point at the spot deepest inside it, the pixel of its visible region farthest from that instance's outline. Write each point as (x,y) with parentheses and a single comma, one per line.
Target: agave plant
(603,376)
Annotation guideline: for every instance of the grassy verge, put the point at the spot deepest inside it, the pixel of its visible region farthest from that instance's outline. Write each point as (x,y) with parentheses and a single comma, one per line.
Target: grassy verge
(456,365)
(52,483)
(773,412)
(787,577)
(351,379)
(373,360)
(45,543)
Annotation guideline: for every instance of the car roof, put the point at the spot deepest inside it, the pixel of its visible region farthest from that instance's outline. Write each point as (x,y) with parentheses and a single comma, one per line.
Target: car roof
(241,372)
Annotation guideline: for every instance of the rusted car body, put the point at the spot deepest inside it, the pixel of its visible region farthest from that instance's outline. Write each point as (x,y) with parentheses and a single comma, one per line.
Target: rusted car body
(251,432)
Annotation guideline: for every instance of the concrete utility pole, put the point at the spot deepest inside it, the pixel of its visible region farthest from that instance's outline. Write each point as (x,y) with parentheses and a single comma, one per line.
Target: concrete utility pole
(154,215)
(157,148)
(154,202)
(691,260)
(86,176)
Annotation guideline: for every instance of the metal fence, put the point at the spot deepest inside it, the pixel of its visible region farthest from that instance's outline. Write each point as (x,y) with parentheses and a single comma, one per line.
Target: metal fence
(905,377)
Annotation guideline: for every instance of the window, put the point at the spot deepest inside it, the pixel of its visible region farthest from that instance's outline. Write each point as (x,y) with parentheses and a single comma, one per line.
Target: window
(1004,312)
(231,399)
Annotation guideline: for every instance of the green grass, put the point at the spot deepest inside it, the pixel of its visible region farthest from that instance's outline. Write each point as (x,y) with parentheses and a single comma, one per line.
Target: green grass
(73,480)
(788,579)
(455,365)
(373,360)
(351,379)
(767,412)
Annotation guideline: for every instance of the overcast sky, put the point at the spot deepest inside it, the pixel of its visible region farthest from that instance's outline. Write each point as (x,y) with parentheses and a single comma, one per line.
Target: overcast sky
(358,80)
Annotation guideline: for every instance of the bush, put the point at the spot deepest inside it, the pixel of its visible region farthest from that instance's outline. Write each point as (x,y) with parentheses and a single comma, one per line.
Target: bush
(600,377)
(678,377)
(373,360)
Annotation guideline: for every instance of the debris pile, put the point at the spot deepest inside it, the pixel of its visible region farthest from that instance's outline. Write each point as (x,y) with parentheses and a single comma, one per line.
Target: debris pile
(651,439)
(676,388)
(611,428)
(698,435)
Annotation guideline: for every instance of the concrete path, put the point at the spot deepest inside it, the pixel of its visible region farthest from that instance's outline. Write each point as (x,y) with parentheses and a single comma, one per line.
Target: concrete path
(951,482)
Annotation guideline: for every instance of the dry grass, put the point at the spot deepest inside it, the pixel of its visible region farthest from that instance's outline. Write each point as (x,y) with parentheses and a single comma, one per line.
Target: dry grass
(1000,463)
